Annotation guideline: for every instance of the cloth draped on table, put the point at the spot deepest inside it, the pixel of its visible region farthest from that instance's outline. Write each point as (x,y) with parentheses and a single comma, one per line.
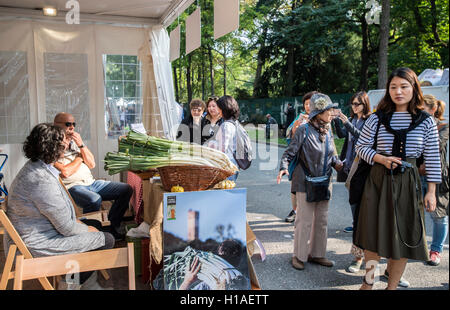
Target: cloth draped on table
(136,200)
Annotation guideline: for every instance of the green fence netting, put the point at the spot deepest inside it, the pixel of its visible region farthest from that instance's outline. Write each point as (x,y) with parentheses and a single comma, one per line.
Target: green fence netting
(255,110)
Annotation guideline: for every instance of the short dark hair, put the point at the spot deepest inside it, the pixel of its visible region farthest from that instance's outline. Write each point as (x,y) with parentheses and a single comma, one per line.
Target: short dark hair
(229,107)
(308,96)
(231,250)
(416,104)
(45,142)
(197,103)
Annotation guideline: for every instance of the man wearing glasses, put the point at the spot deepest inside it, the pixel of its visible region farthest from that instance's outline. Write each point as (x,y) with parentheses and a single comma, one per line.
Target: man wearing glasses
(76,175)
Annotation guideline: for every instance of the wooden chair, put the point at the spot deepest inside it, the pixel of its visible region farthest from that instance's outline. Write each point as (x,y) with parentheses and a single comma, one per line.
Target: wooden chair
(36,268)
(18,244)
(101,215)
(8,274)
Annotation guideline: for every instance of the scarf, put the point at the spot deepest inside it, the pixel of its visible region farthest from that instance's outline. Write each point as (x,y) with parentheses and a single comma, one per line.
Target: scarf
(321,126)
(399,145)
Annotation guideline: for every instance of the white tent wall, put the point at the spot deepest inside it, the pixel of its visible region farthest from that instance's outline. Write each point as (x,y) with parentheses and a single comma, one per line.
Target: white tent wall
(19,37)
(170,110)
(38,39)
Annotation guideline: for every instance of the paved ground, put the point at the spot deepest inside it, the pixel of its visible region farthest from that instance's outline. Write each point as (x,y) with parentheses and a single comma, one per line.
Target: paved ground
(267,206)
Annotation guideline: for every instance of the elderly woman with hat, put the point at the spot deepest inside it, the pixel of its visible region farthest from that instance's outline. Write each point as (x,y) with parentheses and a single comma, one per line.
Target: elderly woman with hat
(312,146)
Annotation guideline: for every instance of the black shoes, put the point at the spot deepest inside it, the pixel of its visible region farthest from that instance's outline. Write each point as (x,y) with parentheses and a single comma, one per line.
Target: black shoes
(291,217)
(117,235)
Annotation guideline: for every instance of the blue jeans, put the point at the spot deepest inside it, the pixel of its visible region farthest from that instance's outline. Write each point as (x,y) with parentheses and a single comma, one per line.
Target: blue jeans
(233,177)
(440,231)
(90,198)
(440,225)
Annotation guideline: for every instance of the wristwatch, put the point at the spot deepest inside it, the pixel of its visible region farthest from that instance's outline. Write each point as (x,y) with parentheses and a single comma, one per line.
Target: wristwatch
(81,146)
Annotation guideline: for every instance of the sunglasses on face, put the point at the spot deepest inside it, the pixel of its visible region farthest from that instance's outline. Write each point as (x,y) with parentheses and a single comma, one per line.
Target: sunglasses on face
(68,124)
(213,98)
(355,104)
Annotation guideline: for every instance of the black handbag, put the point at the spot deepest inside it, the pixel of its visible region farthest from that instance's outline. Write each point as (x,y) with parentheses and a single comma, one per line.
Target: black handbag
(358,180)
(317,188)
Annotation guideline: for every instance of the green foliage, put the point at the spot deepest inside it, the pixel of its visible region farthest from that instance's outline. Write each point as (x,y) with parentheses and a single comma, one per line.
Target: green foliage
(290,47)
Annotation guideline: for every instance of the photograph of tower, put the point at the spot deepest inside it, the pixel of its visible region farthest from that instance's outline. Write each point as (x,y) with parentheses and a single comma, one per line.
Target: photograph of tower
(205,245)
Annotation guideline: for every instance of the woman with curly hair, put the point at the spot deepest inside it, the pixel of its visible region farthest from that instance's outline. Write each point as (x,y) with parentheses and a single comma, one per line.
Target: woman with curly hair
(41,210)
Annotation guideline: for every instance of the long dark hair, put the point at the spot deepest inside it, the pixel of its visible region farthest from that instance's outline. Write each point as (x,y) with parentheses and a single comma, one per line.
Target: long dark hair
(229,107)
(45,142)
(363,99)
(386,104)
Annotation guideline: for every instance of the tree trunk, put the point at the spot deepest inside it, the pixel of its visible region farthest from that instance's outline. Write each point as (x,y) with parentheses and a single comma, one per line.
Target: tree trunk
(363,81)
(211,70)
(290,72)
(188,79)
(260,63)
(290,61)
(384,41)
(224,69)
(177,94)
(203,76)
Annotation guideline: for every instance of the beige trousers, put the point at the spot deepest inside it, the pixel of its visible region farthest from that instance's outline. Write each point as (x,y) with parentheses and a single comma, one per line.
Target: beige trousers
(310,228)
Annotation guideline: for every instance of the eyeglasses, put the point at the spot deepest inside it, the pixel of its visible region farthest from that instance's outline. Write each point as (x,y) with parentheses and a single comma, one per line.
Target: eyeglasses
(215,98)
(196,110)
(68,124)
(355,104)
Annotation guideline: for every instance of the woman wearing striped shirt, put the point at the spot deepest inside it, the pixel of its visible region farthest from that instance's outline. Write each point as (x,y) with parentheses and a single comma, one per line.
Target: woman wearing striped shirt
(390,222)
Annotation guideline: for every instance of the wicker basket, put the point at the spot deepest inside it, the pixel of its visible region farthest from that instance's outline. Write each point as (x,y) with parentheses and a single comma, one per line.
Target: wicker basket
(145,175)
(191,177)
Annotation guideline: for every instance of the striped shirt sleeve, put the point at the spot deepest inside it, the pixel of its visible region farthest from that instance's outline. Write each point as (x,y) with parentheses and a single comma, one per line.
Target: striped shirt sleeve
(366,140)
(431,153)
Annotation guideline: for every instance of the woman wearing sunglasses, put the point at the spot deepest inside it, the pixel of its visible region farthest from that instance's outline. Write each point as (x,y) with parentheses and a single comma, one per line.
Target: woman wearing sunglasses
(350,129)
(212,120)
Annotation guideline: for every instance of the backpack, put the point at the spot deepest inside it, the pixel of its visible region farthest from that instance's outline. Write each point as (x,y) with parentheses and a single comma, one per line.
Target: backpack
(243,154)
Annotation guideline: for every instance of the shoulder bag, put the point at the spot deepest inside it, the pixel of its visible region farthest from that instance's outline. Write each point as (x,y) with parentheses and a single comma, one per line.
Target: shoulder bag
(317,188)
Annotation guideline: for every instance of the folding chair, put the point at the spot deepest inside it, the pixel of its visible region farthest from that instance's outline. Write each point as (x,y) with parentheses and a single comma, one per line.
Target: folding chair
(18,244)
(8,274)
(33,268)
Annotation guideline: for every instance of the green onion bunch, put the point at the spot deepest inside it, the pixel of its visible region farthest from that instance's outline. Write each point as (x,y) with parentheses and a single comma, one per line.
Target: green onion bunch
(139,151)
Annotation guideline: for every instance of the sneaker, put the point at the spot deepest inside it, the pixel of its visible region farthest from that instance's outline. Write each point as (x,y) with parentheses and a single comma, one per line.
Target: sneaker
(355,266)
(291,217)
(297,264)
(348,229)
(435,258)
(402,283)
(321,261)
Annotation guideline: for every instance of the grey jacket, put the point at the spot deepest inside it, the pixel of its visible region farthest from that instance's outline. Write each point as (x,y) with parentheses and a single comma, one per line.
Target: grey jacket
(43,215)
(312,154)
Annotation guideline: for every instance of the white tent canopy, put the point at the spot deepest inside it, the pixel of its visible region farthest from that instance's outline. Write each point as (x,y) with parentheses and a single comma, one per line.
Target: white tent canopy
(48,66)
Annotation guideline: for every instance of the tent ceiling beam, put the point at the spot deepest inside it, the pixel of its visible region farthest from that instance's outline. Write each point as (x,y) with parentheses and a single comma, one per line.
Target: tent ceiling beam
(7,13)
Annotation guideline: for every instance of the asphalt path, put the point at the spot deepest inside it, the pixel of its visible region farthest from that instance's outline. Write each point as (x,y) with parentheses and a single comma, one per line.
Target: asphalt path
(268,204)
